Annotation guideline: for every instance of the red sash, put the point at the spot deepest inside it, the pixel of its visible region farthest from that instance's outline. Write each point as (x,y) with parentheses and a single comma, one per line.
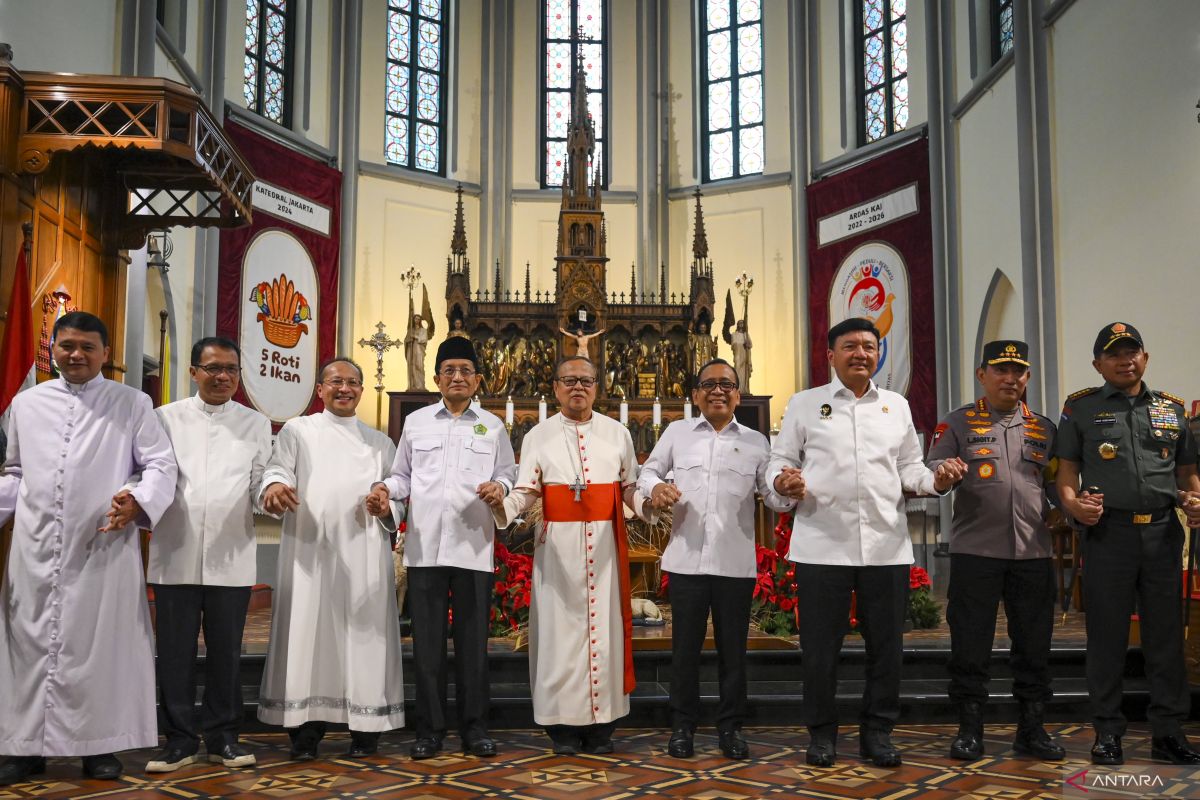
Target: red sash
(599,503)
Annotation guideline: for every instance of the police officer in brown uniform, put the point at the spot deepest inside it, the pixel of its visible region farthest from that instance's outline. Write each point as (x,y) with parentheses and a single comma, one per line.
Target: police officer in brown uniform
(1130,450)
(1000,550)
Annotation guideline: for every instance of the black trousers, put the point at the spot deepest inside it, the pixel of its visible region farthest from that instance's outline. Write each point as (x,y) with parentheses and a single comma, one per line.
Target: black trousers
(978,585)
(431,592)
(181,611)
(692,597)
(1128,565)
(823,592)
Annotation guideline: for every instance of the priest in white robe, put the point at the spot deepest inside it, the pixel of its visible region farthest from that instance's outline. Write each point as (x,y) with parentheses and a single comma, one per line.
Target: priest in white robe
(76,648)
(334,654)
(584,468)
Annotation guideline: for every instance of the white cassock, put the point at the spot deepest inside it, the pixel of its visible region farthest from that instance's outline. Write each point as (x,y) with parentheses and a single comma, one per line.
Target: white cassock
(76,649)
(335,633)
(206,537)
(577,641)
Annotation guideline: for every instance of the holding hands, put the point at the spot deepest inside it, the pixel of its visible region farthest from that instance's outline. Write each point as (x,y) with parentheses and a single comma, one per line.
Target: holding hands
(124,510)
(790,483)
(377,501)
(491,492)
(279,497)
(1190,503)
(1087,508)
(664,495)
(948,473)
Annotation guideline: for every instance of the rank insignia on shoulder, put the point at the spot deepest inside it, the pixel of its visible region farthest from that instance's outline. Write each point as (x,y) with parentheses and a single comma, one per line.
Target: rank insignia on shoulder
(970,413)
(1083,393)
(480,429)
(1171,397)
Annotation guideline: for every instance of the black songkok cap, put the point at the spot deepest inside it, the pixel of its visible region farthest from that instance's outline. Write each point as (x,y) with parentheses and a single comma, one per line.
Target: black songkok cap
(1116,332)
(1005,350)
(456,347)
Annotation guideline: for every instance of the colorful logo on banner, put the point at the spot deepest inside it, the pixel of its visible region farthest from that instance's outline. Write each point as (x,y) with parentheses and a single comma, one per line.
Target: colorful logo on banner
(872,282)
(279,354)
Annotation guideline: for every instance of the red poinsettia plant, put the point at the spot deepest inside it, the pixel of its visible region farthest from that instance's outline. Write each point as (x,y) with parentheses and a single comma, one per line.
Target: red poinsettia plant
(773,607)
(923,610)
(510,602)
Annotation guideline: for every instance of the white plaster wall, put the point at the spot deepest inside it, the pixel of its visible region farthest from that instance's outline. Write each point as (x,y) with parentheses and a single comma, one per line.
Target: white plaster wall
(988,218)
(63,35)
(1127,182)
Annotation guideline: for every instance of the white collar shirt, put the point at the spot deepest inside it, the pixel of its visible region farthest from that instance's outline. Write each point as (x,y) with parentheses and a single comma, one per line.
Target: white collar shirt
(206,536)
(858,455)
(440,462)
(717,474)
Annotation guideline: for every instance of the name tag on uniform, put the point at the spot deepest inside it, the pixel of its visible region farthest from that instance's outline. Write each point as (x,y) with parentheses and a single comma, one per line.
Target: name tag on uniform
(1105,418)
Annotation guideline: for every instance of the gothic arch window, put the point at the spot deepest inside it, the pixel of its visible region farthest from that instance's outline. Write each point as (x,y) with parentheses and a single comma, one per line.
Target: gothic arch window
(1002,28)
(572,29)
(881,39)
(415,102)
(269,56)
(731,106)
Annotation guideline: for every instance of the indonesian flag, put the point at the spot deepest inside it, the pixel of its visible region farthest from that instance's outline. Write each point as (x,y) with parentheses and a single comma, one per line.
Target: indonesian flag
(17,348)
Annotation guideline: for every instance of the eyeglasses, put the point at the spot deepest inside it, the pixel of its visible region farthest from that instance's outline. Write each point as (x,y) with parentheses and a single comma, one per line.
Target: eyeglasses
(450,372)
(571,382)
(724,386)
(219,369)
(338,383)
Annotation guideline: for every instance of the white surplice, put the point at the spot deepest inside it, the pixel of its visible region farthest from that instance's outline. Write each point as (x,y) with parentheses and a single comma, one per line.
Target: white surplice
(576,636)
(76,649)
(206,537)
(334,653)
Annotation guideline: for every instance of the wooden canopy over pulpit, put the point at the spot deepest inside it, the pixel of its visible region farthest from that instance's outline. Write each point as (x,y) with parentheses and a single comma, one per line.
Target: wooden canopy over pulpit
(89,165)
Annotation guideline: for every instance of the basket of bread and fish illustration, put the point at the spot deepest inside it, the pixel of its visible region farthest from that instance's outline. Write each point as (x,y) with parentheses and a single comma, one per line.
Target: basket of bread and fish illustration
(282,311)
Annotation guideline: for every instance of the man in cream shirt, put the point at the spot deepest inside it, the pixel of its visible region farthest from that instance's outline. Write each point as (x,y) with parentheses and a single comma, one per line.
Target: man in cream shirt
(202,559)
(859,452)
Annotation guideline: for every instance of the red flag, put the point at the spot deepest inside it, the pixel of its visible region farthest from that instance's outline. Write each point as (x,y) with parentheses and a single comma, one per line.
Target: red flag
(16,348)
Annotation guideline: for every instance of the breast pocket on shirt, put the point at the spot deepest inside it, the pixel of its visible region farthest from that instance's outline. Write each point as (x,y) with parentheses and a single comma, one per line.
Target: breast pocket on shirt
(983,465)
(427,457)
(738,473)
(478,457)
(689,472)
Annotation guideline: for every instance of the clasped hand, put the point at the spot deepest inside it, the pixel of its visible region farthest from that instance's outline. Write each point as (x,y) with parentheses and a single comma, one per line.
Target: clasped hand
(1190,503)
(279,497)
(790,483)
(664,495)
(948,473)
(124,510)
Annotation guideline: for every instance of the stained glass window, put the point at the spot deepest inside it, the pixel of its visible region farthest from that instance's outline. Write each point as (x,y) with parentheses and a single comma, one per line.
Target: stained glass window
(572,29)
(1002,28)
(267,66)
(732,105)
(882,27)
(415,102)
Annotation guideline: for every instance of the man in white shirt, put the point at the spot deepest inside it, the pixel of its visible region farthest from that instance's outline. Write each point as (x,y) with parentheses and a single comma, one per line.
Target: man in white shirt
(859,452)
(453,461)
(718,464)
(203,556)
(334,654)
(76,648)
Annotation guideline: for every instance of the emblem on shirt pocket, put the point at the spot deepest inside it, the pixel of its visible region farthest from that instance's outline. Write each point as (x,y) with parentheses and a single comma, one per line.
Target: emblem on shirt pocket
(986,471)
(480,429)
(826,411)
(1108,451)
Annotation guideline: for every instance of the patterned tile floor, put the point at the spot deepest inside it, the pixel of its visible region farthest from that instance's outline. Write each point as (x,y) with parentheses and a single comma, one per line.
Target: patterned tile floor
(527,770)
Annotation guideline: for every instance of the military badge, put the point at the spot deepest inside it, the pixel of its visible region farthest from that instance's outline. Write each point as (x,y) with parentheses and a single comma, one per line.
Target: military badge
(970,414)
(984,451)
(480,429)
(982,431)
(986,471)
(939,430)
(1108,451)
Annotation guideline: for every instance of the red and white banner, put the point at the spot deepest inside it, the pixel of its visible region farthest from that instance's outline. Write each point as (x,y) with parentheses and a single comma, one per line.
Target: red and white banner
(17,348)
(278,279)
(871,255)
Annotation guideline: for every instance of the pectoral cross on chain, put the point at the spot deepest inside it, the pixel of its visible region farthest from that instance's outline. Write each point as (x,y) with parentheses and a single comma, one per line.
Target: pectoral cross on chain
(577,488)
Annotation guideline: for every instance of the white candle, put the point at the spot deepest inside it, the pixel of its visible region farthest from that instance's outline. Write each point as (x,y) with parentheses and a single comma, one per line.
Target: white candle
(687,409)
(541,408)
(624,413)
(508,411)
(657,412)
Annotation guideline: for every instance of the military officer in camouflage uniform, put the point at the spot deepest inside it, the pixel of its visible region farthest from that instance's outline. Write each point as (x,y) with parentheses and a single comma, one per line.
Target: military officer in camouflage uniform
(1130,450)
(1000,549)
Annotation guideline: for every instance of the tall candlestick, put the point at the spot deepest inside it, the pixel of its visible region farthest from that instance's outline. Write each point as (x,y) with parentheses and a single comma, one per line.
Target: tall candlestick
(624,413)
(508,411)
(541,408)
(687,409)
(657,420)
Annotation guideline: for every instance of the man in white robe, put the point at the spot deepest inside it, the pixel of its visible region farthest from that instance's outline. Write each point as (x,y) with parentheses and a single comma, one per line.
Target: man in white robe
(76,649)
(203,559)
(584,467)
(334,654)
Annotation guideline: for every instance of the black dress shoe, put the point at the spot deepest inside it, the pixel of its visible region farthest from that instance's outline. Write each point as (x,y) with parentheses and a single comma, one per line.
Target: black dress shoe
(363,744)
(877,747)
(967,746)
(171,758)
(425,747)
(1037,743)
(480,747)
(597,745)
(230,755)
(566,743)
(102,768)
(1107,749)
(821,753)
(1174,749)
(16,769)
(680,744)
(733,745)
